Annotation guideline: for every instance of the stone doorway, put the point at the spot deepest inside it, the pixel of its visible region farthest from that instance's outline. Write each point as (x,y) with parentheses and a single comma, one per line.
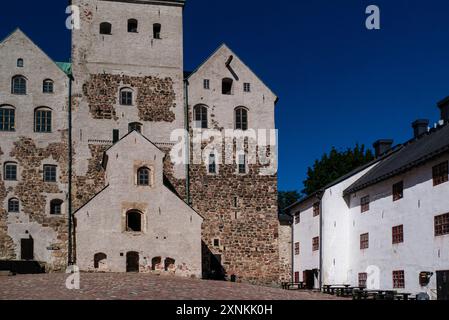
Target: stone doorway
(27,249)
(132,262)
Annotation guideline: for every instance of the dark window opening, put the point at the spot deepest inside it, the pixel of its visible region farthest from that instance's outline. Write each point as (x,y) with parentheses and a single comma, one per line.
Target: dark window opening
(47,86)
(13,205)
(105,28)
(7,118)
(440,173)
(398,234)
(169,264)
(134,221)
(216,243)
(316,209)
(442,225)
(135,126)
(20,63)
(56,207)
(132,25)
(50,173)
(156,263)
(227,86)
(398,191)
(157,29)
(297,218)
(99,257)
(19,85)
(247,87)
(10,172)
(143,177)
(201,121)
(212,164)
(206,84)
(42,120)
(115,135)
(242,164)
(241,119)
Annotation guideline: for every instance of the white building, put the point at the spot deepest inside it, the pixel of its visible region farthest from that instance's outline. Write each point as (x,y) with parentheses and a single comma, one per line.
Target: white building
(385,225)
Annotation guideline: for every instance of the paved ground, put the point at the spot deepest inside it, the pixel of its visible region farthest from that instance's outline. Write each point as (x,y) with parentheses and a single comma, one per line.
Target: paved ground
(138,287)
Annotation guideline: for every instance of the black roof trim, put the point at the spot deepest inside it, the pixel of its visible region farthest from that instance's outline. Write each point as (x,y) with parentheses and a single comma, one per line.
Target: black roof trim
(90,200)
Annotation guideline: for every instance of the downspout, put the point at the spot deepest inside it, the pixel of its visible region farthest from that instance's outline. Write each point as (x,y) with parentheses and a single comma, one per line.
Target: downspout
(321,241)
(70,253)
(187,142)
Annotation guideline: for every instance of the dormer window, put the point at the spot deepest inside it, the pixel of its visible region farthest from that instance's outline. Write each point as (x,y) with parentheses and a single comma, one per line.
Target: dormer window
(132,25)
(126,97)
(105,28)
(227,86)
(157,28)
(20,63)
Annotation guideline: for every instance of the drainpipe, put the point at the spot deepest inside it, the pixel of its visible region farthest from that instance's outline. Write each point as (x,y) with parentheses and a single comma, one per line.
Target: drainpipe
(187,146)
(321,241)
(70,249)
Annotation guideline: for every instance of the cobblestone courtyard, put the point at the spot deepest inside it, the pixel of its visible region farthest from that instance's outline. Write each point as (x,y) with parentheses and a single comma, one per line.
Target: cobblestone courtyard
(138,287)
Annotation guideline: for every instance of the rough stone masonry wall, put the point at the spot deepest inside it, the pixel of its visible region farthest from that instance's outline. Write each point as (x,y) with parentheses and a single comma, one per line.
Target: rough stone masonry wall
(155,96)
(7,246)
(31,189)
(248,234)
(285,252)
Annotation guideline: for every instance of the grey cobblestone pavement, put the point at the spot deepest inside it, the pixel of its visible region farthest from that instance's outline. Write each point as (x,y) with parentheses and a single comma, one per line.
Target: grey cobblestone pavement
(139,287)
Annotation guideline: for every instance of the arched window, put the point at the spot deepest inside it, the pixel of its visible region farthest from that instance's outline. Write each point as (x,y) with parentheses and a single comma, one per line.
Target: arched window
(19,85)
(227,86)
(20,63)
(47,86)
(42,120)
(135,126)
(156,263)
(126,97)
(132,25)
(241,118)
(200,116)
(105,28)
(212,164)
(99,257)
(157,28)
(13,205)
(10,171)
(56,207)
(169,263)
(134,221)
(7,118)
(143,176)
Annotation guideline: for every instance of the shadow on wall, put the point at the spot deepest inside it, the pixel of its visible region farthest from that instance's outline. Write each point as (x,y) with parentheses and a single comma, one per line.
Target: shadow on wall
(212,266)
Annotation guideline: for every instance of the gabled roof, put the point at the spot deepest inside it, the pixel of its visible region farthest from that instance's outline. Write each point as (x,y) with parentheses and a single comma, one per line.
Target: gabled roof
(188,74)
(63,66)
(414,153)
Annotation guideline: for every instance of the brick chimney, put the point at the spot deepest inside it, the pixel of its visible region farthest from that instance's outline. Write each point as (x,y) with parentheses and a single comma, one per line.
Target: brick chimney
(382,146)
(420,127)
(444,108)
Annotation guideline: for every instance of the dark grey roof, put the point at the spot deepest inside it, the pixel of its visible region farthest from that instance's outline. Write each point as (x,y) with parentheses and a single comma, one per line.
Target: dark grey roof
(414,153)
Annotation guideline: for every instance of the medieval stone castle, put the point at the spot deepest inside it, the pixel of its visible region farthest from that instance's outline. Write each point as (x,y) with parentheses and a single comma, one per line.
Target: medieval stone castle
(91,140)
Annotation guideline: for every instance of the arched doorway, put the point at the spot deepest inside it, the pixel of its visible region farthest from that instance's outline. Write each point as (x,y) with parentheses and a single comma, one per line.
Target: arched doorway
(132,262)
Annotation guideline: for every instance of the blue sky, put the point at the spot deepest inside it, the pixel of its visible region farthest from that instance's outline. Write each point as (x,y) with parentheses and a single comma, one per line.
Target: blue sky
(338,82)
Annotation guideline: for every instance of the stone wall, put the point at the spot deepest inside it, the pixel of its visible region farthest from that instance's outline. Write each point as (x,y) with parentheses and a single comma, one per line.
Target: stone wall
(285,252)
(7,246)
(155,97)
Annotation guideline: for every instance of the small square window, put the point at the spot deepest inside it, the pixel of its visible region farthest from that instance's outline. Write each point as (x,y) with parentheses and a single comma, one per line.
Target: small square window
(297,218)
(316,244)
(247,87)
(216,243)
(49,173)
(316,209)
(398,234)
(20,63)
(363,278)
(206,84)
(398,191)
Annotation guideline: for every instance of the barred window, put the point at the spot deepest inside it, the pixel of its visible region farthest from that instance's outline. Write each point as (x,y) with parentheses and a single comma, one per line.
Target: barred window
(316,244)
(398,280)
(143,177)
(364,204)
(42,120)
(7,118)
(206,84)
(47,86)
(19,85)
(364,241)
(247,87)
(297,249)
(10,171)
(442,225)
(316,209)
(440,173)
(363,278)
(398,234)
(13,205)
(49,173)
(56,207)
(241,118)
(200,116)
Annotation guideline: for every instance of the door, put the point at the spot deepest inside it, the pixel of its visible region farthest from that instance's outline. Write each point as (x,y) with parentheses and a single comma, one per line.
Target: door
(443,285)
(216,268)
(132,262)
(296,277)
(309,279)
(27,249)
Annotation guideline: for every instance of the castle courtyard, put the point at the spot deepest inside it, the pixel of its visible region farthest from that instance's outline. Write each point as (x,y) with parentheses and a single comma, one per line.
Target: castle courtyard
(139,287)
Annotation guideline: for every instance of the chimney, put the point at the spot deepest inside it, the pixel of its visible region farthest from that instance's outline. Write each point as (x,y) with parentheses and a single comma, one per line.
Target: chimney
(420,127)
(382,146)
(444,107)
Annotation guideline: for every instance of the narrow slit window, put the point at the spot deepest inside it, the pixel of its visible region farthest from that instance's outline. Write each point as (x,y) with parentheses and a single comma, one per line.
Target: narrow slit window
(157,29)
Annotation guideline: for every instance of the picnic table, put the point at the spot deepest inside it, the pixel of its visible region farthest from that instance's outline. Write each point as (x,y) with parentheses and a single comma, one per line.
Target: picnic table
(293,285)
(338,289)
(377,295)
